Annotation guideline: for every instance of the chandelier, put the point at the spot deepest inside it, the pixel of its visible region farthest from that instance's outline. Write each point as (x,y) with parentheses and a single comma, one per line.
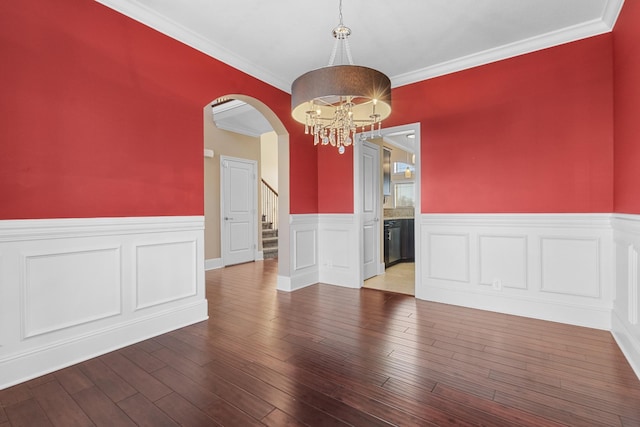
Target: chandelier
(332,102)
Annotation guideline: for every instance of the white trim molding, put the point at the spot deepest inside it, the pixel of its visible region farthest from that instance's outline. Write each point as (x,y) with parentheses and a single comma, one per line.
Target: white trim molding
(324,248)
(303,250)
(543,41)
(147,16)
(556,267)
(213,264)
(338,249)
(72,289)
(625,325)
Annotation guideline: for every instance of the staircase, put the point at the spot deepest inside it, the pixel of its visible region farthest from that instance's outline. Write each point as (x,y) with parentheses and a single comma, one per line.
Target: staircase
(269,240)
(269,221)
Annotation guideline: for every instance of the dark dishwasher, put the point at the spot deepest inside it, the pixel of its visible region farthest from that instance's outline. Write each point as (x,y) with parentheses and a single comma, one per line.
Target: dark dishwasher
(392,242)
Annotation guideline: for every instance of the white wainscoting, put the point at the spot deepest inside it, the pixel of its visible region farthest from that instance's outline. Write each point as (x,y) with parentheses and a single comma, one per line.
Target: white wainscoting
(503,258)
(72,289)
(303,249)
(626,328)
(323,248)
(91,275)
(338,250)
(556,267)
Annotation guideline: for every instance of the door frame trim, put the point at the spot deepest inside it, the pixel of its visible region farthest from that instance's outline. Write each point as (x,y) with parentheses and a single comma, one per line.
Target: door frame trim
(415,127)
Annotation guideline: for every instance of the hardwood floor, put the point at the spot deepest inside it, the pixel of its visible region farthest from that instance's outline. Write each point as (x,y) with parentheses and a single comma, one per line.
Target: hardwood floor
(326,355)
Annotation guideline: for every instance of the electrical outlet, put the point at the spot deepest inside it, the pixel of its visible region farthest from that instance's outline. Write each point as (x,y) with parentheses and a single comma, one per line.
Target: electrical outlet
(496,284)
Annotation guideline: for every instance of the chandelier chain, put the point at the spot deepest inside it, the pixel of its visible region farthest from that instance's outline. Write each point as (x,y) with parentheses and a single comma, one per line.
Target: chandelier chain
(341,35)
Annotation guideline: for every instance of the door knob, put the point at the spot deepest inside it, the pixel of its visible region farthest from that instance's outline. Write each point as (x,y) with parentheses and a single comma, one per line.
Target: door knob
(226,218)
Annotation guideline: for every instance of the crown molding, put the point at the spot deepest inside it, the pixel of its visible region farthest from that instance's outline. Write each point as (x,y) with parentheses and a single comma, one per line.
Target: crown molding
(138,12)
(133,9)
(555,38)
(611,12)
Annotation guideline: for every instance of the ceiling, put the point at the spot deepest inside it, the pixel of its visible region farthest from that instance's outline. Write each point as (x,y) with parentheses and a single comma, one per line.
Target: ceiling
(408,40)
(239,117)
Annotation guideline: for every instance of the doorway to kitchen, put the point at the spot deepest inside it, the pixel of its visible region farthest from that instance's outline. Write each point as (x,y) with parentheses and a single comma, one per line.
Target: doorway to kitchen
(399,208)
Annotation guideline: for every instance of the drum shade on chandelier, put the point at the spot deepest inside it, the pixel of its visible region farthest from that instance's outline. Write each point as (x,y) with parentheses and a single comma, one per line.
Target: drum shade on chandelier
(334,101)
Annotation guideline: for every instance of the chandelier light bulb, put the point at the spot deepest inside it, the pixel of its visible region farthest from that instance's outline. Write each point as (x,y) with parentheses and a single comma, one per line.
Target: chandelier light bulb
(332,102)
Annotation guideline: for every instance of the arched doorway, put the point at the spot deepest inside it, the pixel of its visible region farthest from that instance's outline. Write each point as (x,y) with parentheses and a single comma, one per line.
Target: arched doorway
(213,151)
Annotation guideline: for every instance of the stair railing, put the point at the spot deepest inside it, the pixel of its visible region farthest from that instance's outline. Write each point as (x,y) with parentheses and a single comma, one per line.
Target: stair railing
(269,204)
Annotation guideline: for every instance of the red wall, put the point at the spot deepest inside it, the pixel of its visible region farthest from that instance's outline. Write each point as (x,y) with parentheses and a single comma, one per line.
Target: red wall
(529,134)
(626,48)
(102,116)
(335,180)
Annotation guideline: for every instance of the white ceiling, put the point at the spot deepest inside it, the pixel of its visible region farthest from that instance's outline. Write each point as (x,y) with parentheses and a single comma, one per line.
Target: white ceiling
(409,40)
(240,117)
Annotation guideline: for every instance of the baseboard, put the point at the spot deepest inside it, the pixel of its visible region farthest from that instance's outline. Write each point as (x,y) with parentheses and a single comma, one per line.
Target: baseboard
(22,367)
(628,343)
(290,284)
(284,284)
(213,264)
(344,277)
(572,314)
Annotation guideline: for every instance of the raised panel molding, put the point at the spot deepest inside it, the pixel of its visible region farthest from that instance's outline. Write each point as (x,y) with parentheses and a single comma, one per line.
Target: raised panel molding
(304,253)
(625,326)
(69,288)
(165,272)
(338,249)
(632,281)
(303,248)
(65,289)
(504,259)
(339,255)
(3,312)
(322,249)
(570,266)
(556,267)
(448,256)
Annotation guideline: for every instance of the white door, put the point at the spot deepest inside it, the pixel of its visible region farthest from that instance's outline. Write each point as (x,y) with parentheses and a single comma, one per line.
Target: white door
(238,188)
(370,182)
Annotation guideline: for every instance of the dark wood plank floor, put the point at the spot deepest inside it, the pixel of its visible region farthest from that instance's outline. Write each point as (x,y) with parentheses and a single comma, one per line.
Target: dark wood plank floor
(326,355)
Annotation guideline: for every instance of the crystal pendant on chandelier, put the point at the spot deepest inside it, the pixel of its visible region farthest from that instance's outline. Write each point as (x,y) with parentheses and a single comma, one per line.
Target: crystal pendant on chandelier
(334,101)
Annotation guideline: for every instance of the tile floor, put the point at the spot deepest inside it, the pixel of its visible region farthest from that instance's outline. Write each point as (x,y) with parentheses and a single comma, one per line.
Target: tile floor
(399,278)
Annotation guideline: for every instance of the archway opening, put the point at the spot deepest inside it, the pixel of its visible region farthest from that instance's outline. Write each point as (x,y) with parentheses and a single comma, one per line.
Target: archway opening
(214,149)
